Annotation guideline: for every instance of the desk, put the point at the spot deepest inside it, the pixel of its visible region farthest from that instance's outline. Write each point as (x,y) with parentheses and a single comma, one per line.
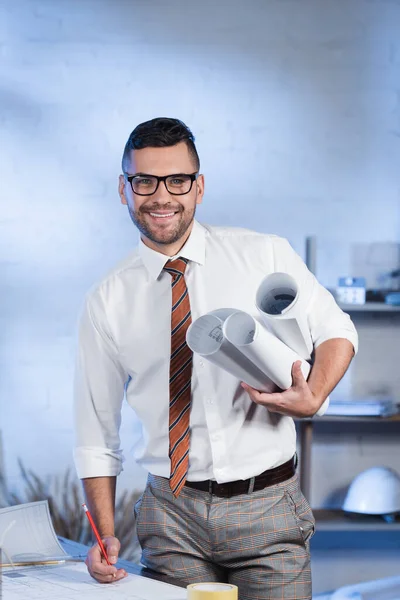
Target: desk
(71,580)
(344,544)
(76,549)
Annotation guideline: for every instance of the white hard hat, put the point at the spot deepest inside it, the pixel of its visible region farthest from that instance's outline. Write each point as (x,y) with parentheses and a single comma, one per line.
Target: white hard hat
(375,491)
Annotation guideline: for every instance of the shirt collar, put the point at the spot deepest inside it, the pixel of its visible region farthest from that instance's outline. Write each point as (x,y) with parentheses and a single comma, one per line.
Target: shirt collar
(194,250)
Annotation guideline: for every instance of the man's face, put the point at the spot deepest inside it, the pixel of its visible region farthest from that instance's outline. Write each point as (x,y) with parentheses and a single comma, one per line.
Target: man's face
(162,218)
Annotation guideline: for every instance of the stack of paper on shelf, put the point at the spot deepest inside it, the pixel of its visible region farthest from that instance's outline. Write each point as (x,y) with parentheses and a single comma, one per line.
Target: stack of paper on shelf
(363,407)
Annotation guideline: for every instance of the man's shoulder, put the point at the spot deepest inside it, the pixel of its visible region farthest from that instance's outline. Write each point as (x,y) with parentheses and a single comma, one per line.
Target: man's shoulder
(226,233)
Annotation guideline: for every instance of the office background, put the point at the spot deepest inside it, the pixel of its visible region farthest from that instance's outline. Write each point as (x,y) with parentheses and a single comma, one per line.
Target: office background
(295,105)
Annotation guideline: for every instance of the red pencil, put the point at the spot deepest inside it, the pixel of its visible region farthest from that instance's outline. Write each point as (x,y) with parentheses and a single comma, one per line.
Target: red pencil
(96,533)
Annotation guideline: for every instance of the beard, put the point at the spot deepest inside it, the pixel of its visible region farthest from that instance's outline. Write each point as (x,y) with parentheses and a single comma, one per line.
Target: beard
(163,235)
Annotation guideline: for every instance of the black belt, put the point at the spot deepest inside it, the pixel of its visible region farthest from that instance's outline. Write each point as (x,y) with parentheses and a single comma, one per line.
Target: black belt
(246,486)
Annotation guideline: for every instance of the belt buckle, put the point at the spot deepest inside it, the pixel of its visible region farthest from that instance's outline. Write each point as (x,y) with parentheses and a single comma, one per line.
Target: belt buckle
(252,481)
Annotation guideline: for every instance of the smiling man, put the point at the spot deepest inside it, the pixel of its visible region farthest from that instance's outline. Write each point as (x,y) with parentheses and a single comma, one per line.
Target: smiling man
(161,207)
(222,500)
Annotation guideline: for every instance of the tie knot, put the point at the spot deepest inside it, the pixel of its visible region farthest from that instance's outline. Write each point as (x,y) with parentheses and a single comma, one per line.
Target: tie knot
(176,267)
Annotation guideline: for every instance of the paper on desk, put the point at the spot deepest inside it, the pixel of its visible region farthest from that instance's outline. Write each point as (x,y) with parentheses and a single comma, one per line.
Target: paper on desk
(27,533)
(205,337)
(263,348)
(71,581)
(278,299)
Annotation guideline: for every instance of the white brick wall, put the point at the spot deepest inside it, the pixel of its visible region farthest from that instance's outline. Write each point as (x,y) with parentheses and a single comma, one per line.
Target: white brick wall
(296,109)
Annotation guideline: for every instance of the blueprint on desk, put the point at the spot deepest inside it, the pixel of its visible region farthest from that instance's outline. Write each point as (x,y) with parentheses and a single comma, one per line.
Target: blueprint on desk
(71,581)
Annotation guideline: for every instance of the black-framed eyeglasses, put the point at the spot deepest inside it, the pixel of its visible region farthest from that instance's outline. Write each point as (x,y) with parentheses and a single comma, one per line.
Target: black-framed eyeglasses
(146,185)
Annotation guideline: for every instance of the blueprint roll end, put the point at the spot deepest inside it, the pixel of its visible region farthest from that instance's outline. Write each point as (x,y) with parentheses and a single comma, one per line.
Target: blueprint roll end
(212,591)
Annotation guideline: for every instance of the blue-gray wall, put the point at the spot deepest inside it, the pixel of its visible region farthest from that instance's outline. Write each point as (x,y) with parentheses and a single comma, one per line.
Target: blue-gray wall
(296,108)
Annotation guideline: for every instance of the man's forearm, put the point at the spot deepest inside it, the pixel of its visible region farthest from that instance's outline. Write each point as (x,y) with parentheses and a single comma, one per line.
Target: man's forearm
(100,499)
(332,359)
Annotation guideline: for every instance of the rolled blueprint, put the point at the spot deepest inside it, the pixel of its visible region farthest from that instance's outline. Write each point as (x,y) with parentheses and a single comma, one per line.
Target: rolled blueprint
(205,337)
(266,351)
(263,348)
(278,301)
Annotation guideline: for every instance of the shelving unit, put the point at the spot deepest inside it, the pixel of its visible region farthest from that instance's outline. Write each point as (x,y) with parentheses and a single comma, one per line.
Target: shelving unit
(357,546)
(334,520)
(369,307)
(330,520)
(306,431)
(358,419)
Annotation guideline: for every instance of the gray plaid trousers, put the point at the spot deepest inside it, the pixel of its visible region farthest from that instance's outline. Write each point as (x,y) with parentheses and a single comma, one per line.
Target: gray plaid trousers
(257,541)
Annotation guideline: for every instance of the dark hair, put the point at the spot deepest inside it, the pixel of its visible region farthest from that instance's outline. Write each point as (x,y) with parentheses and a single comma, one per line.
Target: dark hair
(159,133)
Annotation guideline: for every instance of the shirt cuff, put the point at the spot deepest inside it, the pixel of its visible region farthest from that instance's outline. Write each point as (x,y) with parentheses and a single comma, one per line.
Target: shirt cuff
(91,461)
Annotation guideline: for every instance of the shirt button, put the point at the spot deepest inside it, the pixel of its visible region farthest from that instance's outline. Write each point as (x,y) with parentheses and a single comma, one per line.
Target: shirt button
(201,363)
(216,437)
(210,401)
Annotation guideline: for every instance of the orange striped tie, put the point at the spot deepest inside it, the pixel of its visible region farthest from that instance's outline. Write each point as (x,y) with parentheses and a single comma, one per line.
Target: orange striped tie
(180,375)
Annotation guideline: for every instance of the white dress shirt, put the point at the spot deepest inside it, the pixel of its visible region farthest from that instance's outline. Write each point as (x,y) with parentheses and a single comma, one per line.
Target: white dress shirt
(124,345)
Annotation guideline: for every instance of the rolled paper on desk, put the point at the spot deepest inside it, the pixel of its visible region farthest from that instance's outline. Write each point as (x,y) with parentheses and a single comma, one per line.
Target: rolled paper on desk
(279,301)
(33,563)
(205,337)
(212,591)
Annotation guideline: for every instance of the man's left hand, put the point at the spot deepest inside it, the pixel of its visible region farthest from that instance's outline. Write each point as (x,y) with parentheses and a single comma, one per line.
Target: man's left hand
(297,401)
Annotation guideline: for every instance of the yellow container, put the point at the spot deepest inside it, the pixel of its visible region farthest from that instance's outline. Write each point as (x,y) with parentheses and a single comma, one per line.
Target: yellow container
(212,591)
